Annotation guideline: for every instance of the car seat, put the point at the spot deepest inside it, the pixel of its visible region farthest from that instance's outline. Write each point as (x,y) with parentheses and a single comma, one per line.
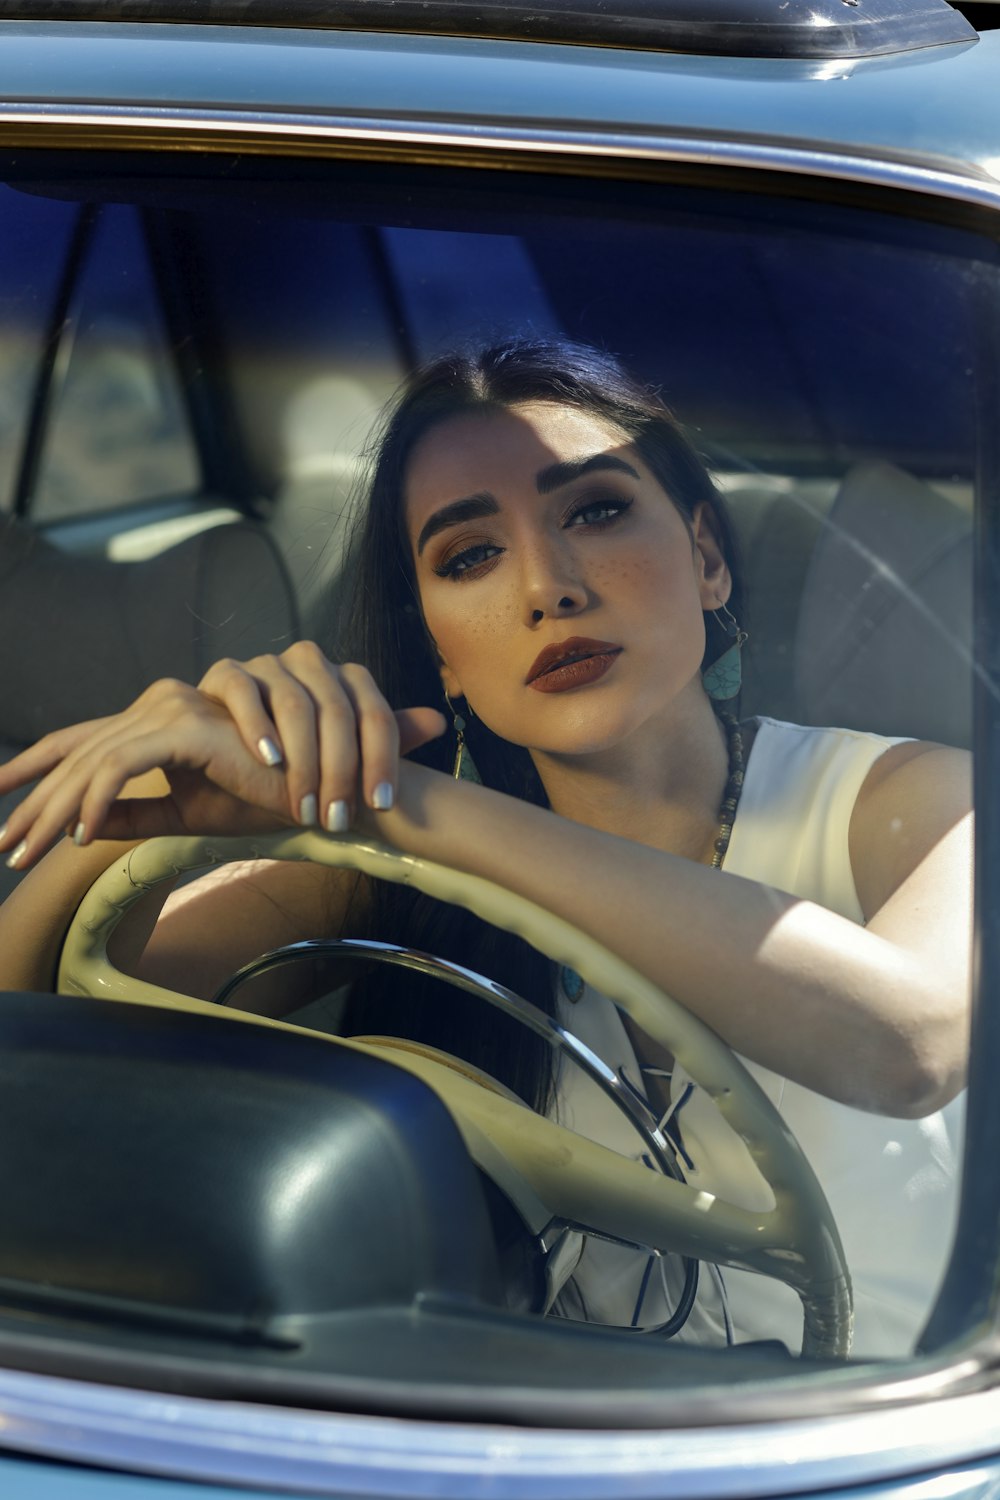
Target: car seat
(884,638)
(860,611)
(83,635)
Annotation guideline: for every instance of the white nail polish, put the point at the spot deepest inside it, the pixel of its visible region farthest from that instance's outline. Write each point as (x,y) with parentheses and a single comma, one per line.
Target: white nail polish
(338,817)
(15,859)
(269,752)
(308,810)
(3,832)
(79,834)
(383,796)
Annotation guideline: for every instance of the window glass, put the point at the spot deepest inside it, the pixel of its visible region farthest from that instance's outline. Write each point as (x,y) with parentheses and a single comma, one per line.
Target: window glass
(34,242)
(464,287)
(835,370)
(117,431)
(304,337)
(817,332)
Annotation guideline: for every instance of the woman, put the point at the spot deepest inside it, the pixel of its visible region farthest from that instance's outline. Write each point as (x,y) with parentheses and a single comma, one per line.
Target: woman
(545,557)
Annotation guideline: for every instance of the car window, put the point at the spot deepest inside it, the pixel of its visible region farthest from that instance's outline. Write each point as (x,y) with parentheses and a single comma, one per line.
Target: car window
(833,366)
(37,237)
(463,286)
(116,429)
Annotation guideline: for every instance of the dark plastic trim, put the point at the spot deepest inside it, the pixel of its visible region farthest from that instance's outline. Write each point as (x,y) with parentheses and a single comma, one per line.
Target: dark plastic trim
(738,28)
(969,1303)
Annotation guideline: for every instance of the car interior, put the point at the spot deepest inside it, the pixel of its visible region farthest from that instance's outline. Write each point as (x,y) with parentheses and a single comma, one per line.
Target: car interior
(193,369)
(231,471)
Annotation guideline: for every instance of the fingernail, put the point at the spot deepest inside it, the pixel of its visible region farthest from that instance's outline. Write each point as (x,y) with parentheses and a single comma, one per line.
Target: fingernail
(79,834)
(338,817)
(15,859)
(269,752)
(3,832)
(383,796)
(308,810)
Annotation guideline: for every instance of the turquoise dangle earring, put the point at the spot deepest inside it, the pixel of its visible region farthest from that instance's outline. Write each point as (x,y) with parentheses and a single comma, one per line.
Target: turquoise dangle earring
(724,678)
(464,768)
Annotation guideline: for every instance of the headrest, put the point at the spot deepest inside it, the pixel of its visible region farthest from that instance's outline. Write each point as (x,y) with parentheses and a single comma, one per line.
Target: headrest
(90,634)
(884,639)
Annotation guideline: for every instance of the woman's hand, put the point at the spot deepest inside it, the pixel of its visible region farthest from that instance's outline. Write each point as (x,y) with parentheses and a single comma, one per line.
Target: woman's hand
(278,740)
(328,726)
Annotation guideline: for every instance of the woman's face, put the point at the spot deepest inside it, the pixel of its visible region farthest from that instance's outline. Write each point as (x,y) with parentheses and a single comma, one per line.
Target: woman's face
(563,589)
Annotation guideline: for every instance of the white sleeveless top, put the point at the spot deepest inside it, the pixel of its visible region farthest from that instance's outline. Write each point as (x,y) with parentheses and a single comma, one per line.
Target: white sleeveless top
(892,1184)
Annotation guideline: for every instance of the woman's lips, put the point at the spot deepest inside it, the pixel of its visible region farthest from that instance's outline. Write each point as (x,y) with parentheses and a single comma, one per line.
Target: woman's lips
(570,664)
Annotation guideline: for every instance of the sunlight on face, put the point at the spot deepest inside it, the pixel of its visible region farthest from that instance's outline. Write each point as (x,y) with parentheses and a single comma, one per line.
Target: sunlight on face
(563,588)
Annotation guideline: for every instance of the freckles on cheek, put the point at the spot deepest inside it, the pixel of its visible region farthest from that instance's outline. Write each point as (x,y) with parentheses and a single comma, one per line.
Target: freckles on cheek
(634,574)
(465,635)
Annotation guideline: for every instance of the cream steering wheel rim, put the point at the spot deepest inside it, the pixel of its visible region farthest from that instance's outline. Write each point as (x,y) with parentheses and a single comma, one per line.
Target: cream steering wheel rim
(796,1241)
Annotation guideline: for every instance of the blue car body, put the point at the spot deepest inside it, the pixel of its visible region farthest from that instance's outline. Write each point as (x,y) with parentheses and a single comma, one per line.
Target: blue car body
(912,133)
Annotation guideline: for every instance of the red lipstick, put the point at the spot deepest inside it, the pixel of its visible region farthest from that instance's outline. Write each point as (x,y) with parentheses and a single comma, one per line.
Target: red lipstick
(572,663)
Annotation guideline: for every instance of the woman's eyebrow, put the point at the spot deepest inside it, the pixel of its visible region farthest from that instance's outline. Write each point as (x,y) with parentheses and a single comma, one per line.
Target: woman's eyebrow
(556,475)
(469,509)
(473,507)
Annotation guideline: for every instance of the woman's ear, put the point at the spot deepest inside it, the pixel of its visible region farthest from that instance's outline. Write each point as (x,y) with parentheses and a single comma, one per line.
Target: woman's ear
(715,582)
(450,683)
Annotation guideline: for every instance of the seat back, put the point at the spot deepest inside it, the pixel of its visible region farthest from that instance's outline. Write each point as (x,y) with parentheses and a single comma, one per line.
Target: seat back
(884,639)
(82,636)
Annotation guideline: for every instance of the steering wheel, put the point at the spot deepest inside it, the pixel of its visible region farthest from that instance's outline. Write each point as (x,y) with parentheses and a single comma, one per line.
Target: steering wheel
(547,1170)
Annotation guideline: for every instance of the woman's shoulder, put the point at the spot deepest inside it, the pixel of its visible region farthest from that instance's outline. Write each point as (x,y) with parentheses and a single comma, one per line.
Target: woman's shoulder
(913,796)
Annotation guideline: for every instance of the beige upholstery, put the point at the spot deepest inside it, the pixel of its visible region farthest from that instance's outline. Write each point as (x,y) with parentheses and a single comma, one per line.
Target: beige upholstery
(885,625)
(778,532)
(81,636)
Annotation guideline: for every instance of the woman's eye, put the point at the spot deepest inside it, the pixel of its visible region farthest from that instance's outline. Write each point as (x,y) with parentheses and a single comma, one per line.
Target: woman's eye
(599,512)
(467,561)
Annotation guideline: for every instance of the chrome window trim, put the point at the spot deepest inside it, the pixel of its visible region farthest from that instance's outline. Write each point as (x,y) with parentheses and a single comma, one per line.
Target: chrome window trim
(399,1459)
(142,128)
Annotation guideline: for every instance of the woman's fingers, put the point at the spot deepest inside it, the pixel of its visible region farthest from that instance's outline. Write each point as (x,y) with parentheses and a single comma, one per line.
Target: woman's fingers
(50,763)
(75,796)
(294,704)
(48,752)
(217,786)
(290,735)
(336,733)
(417,726)
(234,684)
(378,739)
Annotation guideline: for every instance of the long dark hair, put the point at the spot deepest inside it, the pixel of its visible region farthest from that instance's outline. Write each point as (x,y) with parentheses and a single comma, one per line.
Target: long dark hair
(383,628)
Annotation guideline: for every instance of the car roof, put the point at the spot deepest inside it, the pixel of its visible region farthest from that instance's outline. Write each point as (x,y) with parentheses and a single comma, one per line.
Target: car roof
(768,28)
(934,112)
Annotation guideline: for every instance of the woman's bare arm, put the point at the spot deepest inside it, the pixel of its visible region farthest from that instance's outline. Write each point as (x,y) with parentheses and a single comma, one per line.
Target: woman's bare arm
(874,1016)
(36,914)
(213,926)
(176,763)
(189,940)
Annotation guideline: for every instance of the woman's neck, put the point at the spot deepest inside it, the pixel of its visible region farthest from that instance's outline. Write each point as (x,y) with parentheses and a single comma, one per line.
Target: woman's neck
(662,787)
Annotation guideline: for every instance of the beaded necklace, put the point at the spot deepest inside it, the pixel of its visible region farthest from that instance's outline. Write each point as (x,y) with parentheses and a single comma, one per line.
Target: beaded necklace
(734,787)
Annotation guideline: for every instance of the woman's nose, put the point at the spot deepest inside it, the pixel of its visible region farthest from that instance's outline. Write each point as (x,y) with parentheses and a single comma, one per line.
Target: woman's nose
(567,605)
(552,587)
